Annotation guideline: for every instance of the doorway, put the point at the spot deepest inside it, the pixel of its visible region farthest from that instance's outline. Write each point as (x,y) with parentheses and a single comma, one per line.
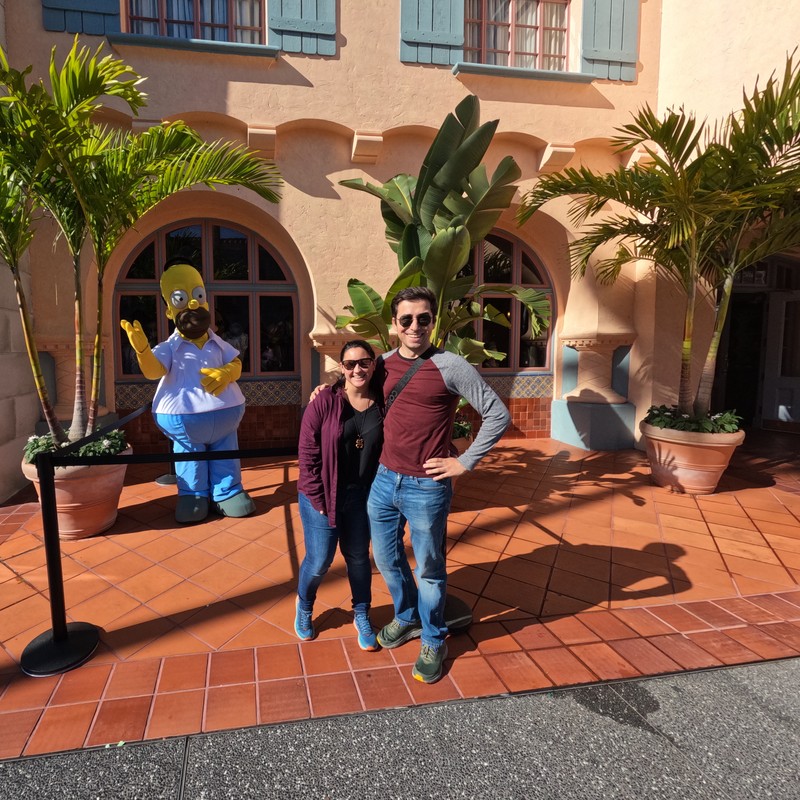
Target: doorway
(758,369)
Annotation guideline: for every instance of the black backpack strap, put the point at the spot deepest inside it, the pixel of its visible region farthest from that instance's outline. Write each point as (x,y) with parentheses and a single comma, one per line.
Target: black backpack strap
(401,384)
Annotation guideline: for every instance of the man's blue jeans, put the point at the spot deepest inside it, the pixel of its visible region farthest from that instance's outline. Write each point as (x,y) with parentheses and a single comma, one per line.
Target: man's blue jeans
(352,535)
(424,503)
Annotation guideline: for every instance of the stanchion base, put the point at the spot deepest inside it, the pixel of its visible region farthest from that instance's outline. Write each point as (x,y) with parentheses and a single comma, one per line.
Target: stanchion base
(457,614)
(167,480)
(45,656)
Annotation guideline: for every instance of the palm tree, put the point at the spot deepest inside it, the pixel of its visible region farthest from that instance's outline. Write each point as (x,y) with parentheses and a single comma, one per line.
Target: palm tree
(16,233)
(432,222)
(97,183)
(711,202)
(37,129)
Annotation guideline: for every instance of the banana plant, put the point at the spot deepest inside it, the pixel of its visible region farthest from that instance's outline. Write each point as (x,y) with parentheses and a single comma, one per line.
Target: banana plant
(432,222)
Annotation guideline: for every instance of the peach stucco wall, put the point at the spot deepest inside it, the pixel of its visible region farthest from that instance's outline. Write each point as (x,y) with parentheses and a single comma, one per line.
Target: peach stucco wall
(712,49)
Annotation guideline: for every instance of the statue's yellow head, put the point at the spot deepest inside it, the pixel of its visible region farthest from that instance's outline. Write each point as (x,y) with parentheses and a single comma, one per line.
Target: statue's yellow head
(184,293)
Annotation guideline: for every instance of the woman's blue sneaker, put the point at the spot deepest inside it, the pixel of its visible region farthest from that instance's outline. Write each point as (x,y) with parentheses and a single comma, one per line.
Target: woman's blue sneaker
(366,636)
(303,626)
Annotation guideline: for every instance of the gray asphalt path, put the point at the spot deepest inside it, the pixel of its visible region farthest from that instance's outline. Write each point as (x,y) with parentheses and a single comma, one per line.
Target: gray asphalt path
(730,733)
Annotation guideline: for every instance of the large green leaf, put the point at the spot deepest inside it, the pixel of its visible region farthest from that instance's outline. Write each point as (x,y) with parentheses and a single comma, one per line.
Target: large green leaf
(537,303)
(410,275)
(453,174)
(455,128)
(447,255)
(364,298)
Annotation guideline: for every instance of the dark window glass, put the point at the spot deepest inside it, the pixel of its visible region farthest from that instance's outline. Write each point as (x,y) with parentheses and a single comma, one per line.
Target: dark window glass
(498,260)
(230,254)
(530,272)
(495,335)
(532,350)
(144,266)
(186,243)
(232,318)
(142,308)
(277,333)
(268,268)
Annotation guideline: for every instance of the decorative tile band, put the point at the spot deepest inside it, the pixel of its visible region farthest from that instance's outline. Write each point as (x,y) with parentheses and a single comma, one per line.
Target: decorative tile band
(522,386)
(257,393)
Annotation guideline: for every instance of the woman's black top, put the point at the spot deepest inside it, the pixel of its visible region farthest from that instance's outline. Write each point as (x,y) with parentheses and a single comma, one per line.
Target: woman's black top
(357,467)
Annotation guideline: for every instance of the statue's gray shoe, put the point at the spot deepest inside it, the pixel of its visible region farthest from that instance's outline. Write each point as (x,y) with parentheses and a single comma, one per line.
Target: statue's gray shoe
(191,509)
(240,505)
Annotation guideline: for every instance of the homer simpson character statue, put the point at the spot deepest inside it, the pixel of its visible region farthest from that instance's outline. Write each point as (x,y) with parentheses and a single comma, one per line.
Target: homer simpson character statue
(197,404)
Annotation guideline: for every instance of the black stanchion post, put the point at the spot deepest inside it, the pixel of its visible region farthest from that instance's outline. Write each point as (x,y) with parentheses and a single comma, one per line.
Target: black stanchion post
(169,479)
(66,646)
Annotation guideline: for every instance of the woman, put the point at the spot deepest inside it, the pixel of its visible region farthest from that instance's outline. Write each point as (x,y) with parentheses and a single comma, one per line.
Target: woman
(340,442)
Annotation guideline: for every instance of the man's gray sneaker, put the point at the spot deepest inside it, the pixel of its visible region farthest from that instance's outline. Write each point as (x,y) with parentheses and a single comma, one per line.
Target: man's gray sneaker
(396,633)
(428,668)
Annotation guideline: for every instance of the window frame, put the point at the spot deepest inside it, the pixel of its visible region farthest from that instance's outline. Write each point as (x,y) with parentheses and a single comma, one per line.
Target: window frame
(484,23)
(546,287)
(197,24)
(254,288)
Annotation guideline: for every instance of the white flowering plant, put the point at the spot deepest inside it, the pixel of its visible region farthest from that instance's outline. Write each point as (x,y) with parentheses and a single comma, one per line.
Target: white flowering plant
(670,417)
(112,444)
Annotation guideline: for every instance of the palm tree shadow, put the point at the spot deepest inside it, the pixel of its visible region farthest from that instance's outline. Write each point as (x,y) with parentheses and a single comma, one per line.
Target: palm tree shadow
(559,580)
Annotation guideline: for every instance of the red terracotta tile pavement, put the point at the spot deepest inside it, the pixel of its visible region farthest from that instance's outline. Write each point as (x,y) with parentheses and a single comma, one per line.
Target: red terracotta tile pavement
(197,621)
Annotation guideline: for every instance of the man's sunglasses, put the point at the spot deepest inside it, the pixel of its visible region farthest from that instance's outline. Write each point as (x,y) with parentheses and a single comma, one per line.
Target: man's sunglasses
(422,319)
(364,363)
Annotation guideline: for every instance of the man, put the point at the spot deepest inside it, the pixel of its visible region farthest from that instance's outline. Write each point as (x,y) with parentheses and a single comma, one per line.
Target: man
(414,480)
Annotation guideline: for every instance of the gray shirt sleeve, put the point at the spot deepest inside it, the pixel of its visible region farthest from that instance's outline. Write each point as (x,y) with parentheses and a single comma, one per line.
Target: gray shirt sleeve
(463,379)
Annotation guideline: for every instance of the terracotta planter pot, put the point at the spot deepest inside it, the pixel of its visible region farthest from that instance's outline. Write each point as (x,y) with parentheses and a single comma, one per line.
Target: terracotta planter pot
(86,497)
(688,462)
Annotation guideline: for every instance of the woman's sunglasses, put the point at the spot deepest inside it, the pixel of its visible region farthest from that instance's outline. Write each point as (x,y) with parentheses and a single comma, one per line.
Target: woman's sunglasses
(422,319)
(364,363)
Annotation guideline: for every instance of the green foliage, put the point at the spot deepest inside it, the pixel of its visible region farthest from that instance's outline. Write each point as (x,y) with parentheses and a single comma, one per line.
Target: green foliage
(669,417)
(112,444)
(95,182)
(462,428)
(432,221)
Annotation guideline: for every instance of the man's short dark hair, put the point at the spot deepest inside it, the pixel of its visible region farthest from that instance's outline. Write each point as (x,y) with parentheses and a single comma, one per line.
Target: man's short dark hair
(413,293)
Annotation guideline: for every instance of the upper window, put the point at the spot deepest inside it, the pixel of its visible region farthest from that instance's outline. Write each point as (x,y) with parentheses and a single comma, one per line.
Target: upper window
(214,20)
(531,34)
(252,296)
(502,260)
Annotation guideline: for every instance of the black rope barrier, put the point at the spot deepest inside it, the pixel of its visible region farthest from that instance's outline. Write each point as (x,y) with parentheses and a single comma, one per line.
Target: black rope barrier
(69,644)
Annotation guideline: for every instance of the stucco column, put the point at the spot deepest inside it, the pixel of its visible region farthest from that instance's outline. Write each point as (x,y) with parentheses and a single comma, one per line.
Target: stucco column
(595,368)
(592,410)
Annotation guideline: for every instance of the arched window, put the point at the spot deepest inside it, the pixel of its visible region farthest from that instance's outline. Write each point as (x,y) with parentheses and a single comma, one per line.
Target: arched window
(252,296)
(503,260)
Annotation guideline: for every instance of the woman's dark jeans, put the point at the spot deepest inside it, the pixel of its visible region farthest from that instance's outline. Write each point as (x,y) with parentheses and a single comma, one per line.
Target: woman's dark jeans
(352,535)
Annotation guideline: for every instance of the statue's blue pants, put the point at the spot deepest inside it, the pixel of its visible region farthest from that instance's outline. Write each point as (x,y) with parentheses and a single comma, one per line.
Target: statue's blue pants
(199,433)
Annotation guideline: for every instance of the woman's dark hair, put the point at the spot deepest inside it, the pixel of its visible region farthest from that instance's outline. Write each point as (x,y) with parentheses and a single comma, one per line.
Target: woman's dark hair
(353,343)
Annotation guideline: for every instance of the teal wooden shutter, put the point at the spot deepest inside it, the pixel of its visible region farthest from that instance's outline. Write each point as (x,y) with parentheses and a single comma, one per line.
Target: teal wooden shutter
(95,17)
(432,31)
(303,26)
(611,38)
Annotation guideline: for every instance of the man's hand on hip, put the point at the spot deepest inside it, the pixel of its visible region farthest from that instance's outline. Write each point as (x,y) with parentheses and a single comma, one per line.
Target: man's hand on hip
(440,468)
